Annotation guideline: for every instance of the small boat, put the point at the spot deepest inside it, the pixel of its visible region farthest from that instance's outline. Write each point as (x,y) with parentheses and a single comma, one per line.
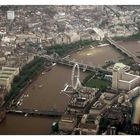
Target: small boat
(40,86)
(26,115)
(89,54)
(18,103)
(53,64)
(25,96)
(92,47)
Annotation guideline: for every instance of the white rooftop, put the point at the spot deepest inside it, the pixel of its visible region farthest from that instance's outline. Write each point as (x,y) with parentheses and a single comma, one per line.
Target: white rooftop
(121,66)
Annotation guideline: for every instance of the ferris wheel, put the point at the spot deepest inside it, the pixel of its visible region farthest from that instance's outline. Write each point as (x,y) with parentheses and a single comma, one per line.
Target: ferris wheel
(75,76)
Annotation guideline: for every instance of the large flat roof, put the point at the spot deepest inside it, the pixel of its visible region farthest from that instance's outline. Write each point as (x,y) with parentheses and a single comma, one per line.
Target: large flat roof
(3,79)
(9,68)
(6,69)
(98,106)
(121,66)
(109,96)
(6,73)
(68,118)
(4,76)
(78,102)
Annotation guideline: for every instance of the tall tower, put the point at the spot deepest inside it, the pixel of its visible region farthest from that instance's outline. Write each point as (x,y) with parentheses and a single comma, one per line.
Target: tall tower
(118,71)
(116,76)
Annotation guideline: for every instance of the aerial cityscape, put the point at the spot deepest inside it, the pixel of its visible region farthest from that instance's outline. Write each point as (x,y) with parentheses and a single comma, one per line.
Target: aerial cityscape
(70,70)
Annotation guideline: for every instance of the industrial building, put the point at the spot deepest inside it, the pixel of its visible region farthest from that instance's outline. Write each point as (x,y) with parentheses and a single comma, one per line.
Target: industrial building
(123,80)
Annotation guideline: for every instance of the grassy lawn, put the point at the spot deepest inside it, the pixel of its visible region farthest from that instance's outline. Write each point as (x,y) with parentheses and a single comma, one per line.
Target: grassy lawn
(98,83)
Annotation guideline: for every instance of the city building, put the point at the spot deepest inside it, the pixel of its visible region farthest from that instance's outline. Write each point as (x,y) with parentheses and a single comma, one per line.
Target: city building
(123,80)
(135,129)
(8,39)
(14,71)
(88,92)
(67,122)
(99,32)
(111,130)
(115,115)
(86,36)
(10,15)
(89,125)
(98,108)
(134,92)
(72,36)
(109,98)
(7,75)
(2,60)
(5,81)
(78,104)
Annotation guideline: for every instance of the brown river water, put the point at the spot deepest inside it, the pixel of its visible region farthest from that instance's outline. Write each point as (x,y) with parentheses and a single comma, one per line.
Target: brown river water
(132,46)
(43,94)
(96,56)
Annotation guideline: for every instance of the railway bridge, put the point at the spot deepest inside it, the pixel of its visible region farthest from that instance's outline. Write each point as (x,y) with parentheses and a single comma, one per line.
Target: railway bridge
(124,50)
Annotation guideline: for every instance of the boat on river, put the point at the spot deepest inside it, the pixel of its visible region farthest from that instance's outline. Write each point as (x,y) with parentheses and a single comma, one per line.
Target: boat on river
(53,64)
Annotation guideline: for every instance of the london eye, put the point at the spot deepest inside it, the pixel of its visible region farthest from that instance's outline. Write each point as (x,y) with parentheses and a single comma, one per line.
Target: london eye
(75,77)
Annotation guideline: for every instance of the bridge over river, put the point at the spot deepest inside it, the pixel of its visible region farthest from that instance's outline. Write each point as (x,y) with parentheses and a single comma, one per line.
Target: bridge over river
(71,63)
(47,113)
(124,50)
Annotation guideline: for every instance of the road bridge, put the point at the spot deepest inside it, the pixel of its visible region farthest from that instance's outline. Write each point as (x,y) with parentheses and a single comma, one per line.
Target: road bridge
(48,113)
